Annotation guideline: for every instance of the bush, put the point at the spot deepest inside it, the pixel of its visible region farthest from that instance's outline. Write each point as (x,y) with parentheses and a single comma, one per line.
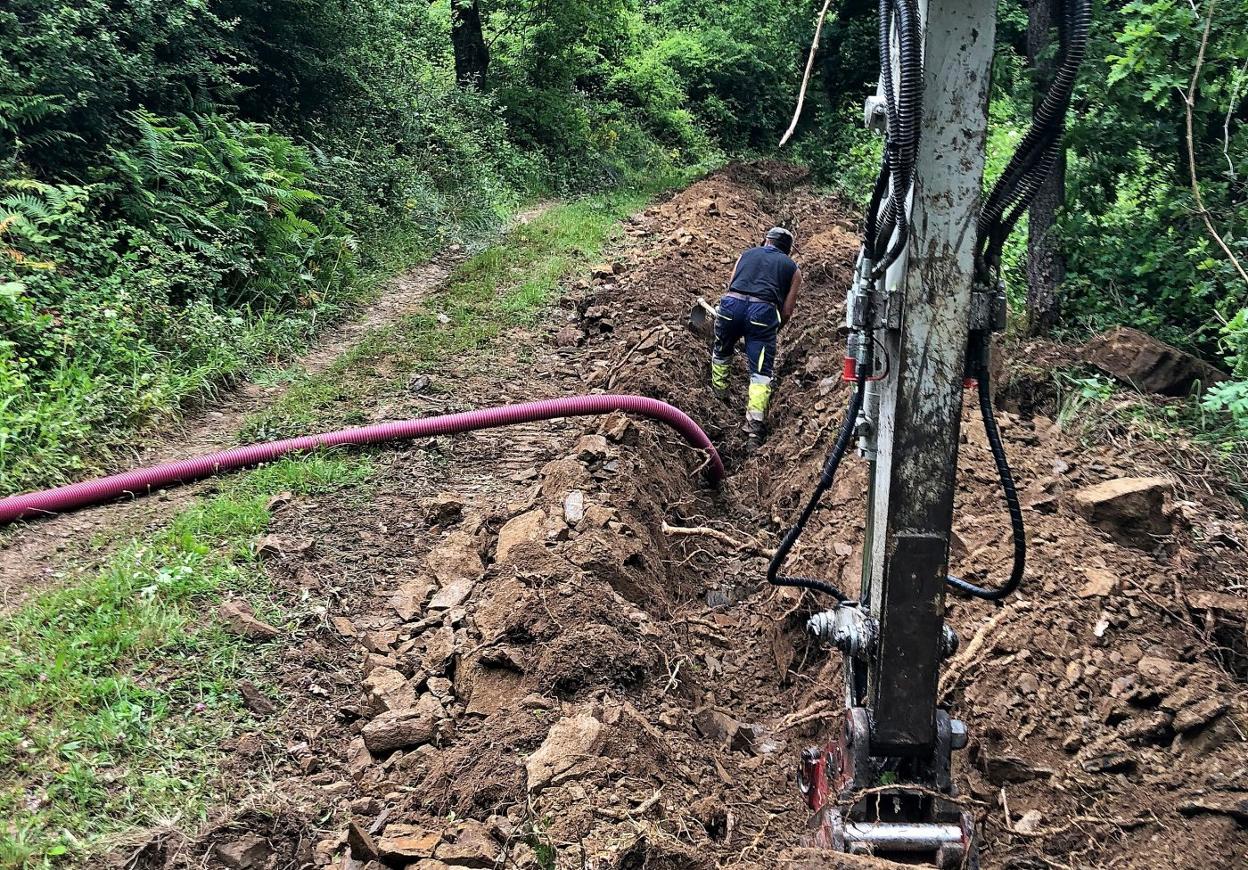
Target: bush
(144,289)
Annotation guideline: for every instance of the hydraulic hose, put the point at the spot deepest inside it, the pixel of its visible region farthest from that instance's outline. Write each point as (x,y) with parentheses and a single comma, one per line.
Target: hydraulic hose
(1039,148)
(142,481)
(1017,529)
(826,478)
(904,117)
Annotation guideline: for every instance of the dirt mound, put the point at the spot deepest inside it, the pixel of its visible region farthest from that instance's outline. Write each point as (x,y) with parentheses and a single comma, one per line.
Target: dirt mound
(613,687)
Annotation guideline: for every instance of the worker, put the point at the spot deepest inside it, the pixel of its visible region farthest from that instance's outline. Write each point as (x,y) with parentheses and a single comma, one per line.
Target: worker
(760,298)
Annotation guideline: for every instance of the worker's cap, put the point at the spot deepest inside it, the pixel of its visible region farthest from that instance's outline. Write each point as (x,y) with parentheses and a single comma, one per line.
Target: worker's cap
(781,238)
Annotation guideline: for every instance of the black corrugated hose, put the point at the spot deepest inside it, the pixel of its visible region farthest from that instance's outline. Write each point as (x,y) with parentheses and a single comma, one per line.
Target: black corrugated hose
(1011,196)
(904,107)
(826,478)
(1017,529)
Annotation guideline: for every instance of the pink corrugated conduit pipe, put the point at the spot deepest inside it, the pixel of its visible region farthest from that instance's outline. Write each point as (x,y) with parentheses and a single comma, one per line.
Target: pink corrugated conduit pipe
(144,480)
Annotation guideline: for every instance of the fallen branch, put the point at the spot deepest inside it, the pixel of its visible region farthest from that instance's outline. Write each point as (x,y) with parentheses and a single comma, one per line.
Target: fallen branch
(722,537)
(615,369)
(810,65)
(963,661)
(813,713)
(1075,821)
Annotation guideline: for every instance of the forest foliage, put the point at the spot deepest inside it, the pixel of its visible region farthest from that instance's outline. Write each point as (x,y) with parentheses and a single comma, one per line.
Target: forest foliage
(191,187)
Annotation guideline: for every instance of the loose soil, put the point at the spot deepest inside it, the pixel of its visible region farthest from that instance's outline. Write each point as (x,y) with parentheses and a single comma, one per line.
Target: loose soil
(521,667)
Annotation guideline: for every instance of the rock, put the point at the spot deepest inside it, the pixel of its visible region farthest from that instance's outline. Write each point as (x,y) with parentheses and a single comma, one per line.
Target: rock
(616,426)
(1151,726)
(439,650)
(1220,803)
(343,625)
(360,841)
(455,559)
(1149,365)
(1199,714)
(442,508)
(440,687)
(283,545)
(279,501)
(574,507)
(1002,769)
(1028,684)
(254,699)
(380,642)
(520,530)
(1031,822)
(452,594)
(1218,733)
(571,740)
(239,619)
(406,843)
(249,852)
(1109,762)
(408,600)
(359,759)
(1223,601)
(561,475)
(1160,673)
(597,516)
(1101,583)
(569,336)
(388,690)
(1130,509)
(471,846)
(591,448)
(402,729)
(716,725)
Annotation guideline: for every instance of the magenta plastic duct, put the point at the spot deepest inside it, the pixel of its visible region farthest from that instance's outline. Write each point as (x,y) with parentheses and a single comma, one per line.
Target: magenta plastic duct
(144,480)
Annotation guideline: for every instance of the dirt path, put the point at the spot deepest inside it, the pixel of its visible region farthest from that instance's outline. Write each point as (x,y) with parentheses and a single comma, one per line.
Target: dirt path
(521,667)
(38,554)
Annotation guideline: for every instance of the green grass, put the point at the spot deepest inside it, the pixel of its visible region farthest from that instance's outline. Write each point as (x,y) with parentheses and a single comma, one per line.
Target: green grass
(1194,440)
(499,288)
(116,691)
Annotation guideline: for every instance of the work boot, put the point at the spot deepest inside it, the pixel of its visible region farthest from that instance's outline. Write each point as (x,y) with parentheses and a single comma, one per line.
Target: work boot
(755,432)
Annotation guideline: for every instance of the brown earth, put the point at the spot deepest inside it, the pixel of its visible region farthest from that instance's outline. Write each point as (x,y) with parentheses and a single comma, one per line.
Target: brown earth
(521,667)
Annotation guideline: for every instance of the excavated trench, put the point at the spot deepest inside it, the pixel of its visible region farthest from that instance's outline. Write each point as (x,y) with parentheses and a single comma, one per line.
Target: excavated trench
(531,661)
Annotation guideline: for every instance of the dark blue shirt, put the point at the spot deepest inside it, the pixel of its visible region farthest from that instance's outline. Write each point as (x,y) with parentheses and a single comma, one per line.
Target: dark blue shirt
(765,272)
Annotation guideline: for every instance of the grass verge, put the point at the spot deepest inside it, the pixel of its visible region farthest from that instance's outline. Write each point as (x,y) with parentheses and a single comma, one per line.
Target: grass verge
(501,287)
(1207,450)
(116,691)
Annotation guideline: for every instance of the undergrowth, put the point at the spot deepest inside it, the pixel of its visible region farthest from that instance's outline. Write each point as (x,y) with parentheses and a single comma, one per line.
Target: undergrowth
(1204,447)
(116,690)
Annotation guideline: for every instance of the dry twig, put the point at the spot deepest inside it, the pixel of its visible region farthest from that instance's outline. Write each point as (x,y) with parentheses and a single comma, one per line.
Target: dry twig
(615,369)
(810,65)
(722,537)
(1189,102)
(966,659)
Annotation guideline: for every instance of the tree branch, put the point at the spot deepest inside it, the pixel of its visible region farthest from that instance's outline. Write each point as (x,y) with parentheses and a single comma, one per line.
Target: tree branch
(1190,105)
(810,65)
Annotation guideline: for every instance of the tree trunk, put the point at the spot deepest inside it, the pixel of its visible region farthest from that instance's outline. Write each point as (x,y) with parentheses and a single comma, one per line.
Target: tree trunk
(1046,264)
(472,56)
